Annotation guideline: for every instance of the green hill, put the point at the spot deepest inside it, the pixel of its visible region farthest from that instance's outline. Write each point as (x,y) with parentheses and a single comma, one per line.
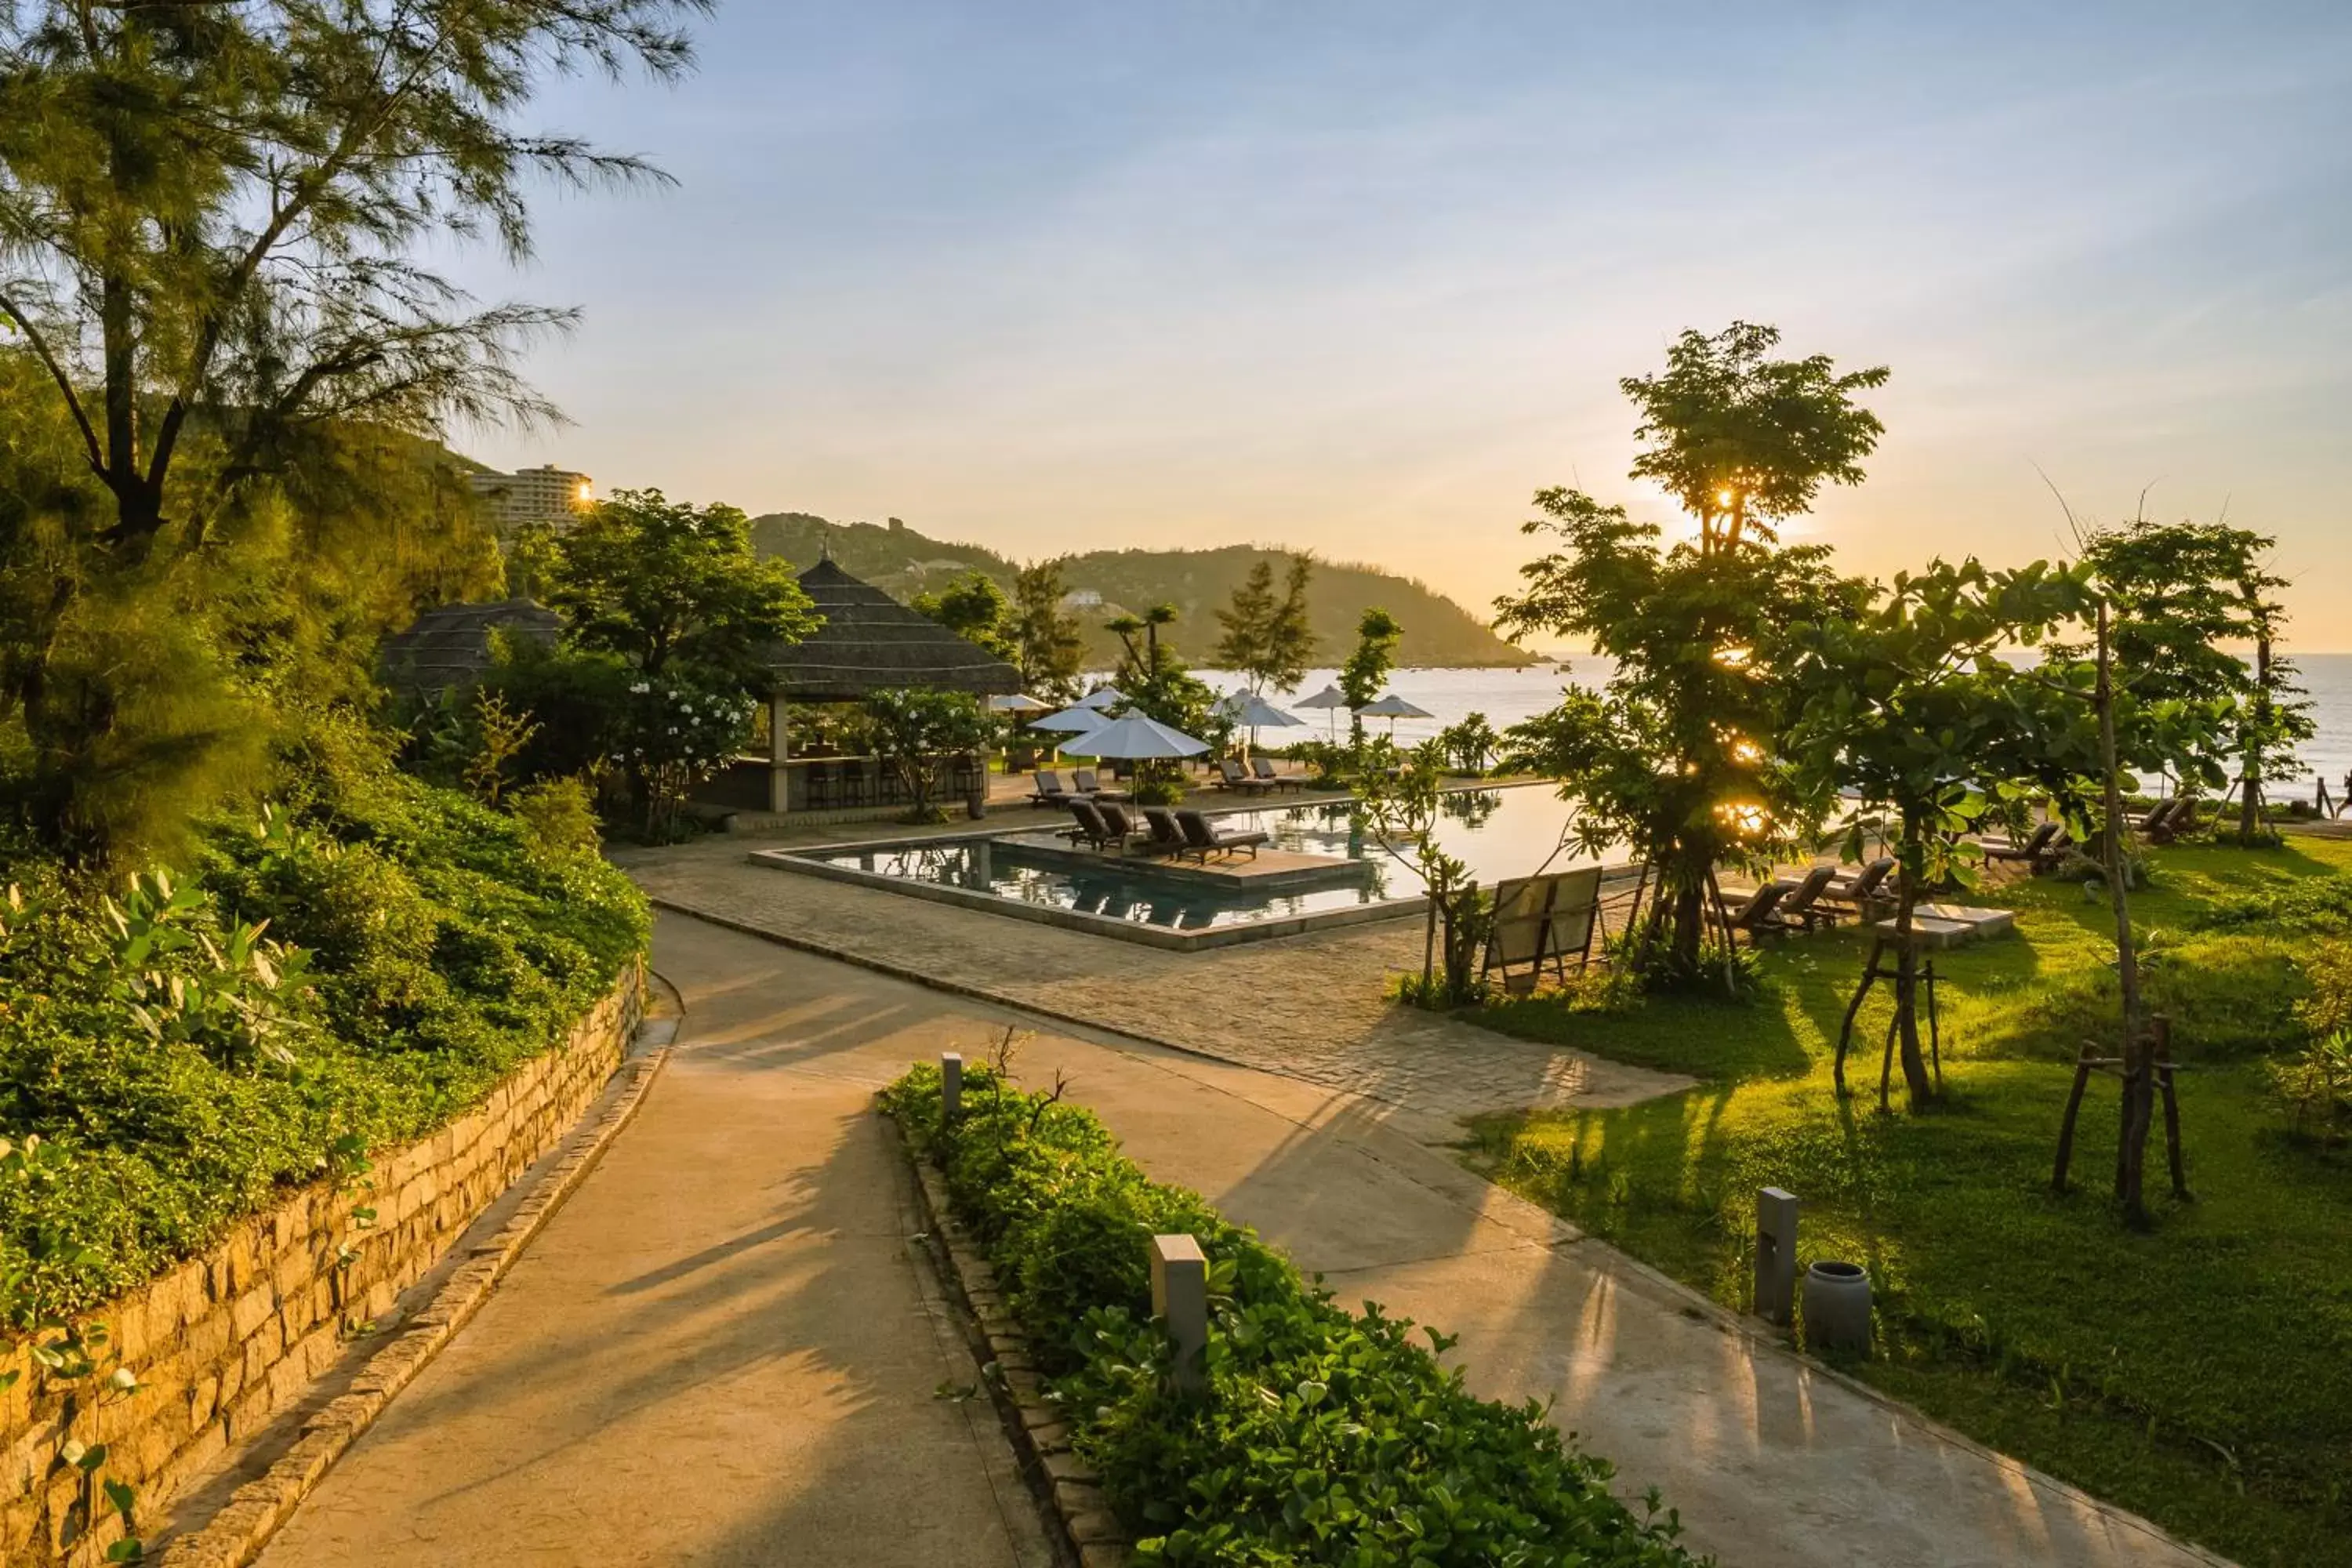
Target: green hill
(894,557)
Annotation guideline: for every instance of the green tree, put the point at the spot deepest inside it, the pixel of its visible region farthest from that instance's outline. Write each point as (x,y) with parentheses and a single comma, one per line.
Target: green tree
(1908,707)
(1367,670)
(1153,676)
(1399,809)
(675,592)
(975,609)
(1049,645)
(1744,441)
(2179,592)
(655,582)
(1674,758)
(1268,638)
(212,221)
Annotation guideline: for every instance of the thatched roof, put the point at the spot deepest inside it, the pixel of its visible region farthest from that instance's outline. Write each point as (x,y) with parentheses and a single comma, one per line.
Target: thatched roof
(870,642)
(451,645)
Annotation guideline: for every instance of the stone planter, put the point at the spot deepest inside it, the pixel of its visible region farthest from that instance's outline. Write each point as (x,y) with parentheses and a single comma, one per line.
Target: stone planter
(1837,1308)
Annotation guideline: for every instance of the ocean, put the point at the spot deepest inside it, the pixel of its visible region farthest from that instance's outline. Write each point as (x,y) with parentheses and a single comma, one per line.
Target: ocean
(1508,696)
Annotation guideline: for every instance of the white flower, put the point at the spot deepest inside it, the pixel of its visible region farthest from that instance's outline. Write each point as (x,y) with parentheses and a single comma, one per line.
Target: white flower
(641,687)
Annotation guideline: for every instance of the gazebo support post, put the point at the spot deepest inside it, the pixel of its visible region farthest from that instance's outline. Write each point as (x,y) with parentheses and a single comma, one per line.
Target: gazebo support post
(780,752)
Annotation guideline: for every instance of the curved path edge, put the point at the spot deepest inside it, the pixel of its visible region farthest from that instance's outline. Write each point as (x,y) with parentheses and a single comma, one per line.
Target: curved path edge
(235,1534)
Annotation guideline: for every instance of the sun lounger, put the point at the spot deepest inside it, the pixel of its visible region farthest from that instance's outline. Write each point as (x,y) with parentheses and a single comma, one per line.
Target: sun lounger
(2168,820)
(1758,917)
(1800,900)
(1049,790)
(1865,892)
(1263,770)
(1167,838)
(1087,785)
(1229,775)
(1204,840)
(1091,828)
(2039,851)
(1128,830)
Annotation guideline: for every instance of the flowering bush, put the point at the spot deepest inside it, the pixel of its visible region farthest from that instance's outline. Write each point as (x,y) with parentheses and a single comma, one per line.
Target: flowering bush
(675,730)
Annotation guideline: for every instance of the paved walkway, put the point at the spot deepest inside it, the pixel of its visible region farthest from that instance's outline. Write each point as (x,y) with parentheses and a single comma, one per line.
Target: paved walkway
(717,1353)
(1310,1007)
(723,1351)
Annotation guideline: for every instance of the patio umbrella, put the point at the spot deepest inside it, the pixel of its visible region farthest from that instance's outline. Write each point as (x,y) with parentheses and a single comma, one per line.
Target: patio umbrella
(1246,706)
(1080,717)
(1392,708)
(1102,699)
(1018,703)
(1330,696)
(1135,738)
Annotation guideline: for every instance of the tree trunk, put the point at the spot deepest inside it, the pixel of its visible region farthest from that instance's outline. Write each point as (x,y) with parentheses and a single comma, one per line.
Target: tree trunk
(2139,1079)
(1690,928)
(2249,809)
(1916,1081)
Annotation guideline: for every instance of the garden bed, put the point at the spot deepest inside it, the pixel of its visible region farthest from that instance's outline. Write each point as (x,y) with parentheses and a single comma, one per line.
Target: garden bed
(1324,1437)
(2196,1374)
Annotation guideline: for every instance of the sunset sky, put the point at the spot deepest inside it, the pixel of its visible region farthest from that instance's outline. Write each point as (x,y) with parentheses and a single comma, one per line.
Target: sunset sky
(1361,278)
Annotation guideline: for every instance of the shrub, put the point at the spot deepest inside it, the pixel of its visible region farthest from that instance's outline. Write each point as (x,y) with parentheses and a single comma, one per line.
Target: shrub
(1326,1436)
(179,1066)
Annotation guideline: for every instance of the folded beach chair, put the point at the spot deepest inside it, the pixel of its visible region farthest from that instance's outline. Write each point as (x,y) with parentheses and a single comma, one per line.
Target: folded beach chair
(1205,840)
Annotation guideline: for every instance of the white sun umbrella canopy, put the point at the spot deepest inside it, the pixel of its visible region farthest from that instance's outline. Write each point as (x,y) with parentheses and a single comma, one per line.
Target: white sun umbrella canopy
(1102,699)
(1078,719)
(1249,707)
(1392,708)
(1017,703)
(1134,739)
(1330,696)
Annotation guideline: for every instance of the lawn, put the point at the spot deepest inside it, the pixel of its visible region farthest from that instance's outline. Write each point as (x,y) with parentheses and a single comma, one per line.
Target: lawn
(2199,1373)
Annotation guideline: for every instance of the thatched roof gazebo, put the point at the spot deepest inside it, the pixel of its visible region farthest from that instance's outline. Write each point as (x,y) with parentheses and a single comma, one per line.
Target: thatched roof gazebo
(451,645)
(870,642)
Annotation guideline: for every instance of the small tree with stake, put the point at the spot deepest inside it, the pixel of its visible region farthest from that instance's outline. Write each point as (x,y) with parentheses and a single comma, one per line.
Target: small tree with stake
(916,731)
(1399,809)
(1910,706)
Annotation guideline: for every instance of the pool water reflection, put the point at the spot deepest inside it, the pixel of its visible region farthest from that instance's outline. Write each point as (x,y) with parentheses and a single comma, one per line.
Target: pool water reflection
(1498,833)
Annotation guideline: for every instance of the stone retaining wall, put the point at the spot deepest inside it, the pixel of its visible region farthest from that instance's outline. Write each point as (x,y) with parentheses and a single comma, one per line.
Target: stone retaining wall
(222,1342)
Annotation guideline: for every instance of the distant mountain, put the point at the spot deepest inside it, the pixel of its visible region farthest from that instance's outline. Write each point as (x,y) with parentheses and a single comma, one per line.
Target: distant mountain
(894,557)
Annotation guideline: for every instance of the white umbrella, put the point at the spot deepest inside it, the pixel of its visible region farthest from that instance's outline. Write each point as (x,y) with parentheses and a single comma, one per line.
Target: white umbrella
(1080,717)
(1249,707)
(1393,707)
(1330,696)
(1102,699)
(1135,738)
(1018,703)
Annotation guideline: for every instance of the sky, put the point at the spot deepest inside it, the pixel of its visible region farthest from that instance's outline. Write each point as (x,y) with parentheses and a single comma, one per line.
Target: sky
(1361,278)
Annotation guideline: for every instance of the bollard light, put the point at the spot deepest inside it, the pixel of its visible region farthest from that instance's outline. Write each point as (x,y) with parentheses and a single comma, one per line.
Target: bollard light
(1776,1254)
(951,1085)
(1180,1299)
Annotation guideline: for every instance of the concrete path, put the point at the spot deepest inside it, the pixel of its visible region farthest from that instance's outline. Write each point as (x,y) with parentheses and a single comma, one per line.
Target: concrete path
(715,1354)
(723,1351)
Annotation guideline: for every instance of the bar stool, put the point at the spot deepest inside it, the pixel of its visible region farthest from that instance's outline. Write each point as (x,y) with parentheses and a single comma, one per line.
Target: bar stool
(821,787)
(849,787)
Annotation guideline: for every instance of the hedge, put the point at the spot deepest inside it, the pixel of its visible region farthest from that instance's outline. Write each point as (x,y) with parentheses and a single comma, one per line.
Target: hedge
(1326,1436)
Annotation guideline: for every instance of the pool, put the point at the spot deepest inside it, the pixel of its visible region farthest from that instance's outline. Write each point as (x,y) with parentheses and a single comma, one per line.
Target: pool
(1333,873)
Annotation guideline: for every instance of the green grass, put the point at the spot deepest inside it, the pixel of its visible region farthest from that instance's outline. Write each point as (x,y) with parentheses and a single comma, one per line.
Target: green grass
(2199,1373)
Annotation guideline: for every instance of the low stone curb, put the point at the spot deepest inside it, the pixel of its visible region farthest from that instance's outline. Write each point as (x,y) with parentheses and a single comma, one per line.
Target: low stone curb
(1062,1481)
(235,1536)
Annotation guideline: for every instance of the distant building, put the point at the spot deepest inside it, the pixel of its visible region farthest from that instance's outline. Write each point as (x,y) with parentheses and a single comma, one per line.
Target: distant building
(543,495)
(1082,599)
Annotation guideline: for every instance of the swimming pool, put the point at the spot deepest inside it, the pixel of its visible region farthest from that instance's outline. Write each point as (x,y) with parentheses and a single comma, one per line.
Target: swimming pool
(1510,831)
